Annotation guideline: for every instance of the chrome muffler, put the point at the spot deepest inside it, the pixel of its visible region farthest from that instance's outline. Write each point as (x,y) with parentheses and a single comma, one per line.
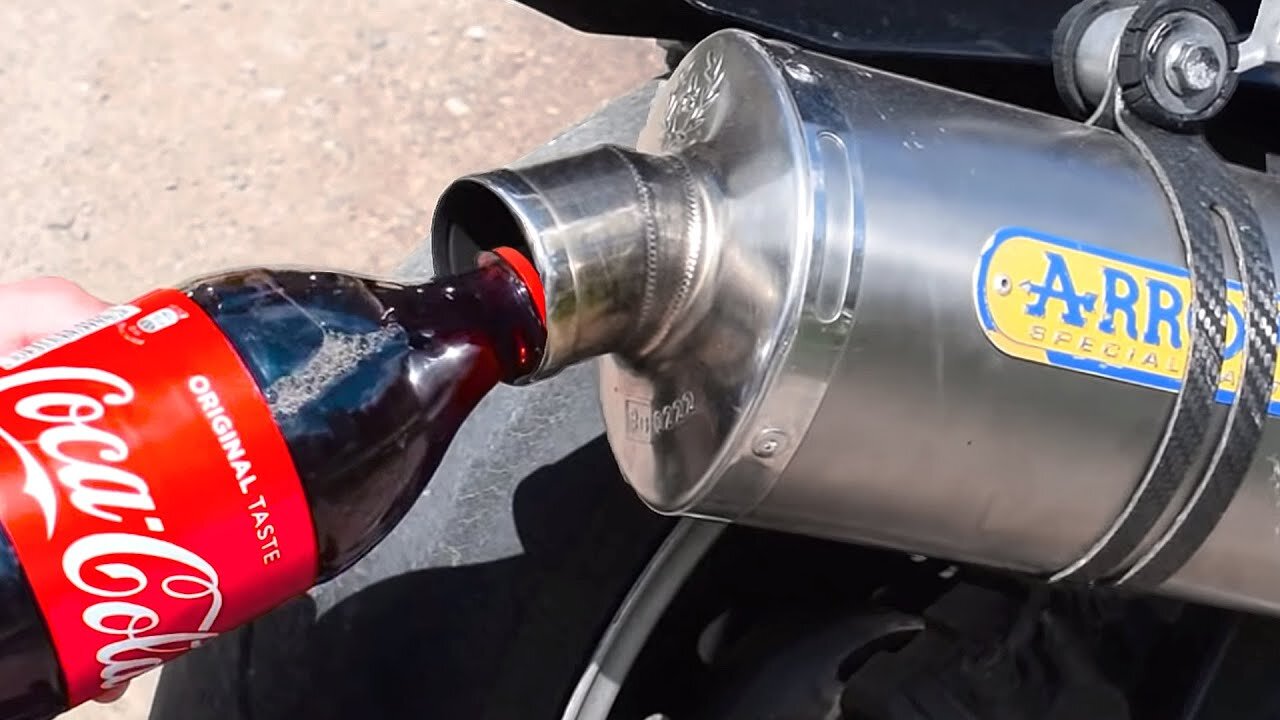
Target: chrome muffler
(840,302)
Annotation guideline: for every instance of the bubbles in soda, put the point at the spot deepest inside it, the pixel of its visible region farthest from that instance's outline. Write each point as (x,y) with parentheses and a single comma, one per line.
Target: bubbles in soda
(369,380)
(338,355)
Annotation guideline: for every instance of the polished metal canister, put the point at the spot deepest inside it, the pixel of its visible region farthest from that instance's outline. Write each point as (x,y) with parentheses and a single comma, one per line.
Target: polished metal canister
(788,280)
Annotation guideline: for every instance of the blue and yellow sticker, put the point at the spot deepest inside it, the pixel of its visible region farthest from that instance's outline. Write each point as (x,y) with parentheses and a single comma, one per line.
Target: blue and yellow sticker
(1069,305)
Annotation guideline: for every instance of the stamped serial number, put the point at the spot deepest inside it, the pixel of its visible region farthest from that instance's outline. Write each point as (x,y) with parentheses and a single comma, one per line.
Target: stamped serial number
(646,424)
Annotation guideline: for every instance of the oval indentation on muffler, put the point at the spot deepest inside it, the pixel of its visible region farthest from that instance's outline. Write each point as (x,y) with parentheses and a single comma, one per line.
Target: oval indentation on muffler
(834,254)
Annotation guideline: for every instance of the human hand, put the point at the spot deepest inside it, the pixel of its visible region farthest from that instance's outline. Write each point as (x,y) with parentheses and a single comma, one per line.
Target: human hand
(32,309)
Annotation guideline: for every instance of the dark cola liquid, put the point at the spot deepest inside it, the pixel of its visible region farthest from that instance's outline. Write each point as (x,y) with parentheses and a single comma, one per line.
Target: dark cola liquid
(30,679)
(370,380)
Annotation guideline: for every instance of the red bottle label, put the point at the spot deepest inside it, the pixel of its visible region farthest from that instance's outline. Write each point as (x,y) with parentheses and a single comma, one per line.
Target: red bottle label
(148,492)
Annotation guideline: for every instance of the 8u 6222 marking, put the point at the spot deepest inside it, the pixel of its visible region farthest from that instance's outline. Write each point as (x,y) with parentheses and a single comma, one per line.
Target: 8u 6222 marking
(646,424)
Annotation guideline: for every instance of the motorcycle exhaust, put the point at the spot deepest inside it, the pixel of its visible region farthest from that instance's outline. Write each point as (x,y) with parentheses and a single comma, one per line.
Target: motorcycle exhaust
(835,301)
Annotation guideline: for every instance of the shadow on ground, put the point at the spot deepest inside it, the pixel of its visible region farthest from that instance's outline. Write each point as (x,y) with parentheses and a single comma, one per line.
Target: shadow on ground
(497,640)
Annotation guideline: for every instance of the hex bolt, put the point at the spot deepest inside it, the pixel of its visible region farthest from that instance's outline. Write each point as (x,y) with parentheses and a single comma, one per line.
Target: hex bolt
(1191,67)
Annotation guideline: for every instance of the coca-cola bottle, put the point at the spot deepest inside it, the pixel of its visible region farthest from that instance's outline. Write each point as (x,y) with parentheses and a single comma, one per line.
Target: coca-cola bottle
(181,464)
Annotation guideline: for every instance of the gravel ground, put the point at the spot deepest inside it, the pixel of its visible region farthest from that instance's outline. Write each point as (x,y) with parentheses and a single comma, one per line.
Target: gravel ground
(146,142)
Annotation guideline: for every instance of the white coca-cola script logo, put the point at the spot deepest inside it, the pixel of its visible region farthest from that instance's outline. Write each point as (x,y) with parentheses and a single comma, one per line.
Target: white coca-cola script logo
(85,461)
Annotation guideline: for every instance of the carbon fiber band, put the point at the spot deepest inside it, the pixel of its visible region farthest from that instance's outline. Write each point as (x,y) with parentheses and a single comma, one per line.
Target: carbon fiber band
(1211,193)
(1198,462)
(1187,426)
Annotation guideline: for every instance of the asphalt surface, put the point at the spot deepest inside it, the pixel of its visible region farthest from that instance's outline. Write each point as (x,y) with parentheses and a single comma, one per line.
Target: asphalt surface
(144,143)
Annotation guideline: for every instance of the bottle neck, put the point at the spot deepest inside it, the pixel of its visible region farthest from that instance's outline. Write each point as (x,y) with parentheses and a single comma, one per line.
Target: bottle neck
(490,307)
(618,238)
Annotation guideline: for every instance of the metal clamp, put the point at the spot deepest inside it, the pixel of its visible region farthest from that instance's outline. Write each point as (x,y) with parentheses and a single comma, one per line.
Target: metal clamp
(1187,426)
(1210,199)
(1175,61)
(1162,81)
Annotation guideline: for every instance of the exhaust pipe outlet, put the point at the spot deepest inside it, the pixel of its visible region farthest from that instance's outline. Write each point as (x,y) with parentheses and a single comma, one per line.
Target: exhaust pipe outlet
(831,300)
(616,235)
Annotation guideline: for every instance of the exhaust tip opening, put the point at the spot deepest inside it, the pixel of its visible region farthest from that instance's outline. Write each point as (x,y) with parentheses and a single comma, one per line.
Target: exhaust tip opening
(470,219)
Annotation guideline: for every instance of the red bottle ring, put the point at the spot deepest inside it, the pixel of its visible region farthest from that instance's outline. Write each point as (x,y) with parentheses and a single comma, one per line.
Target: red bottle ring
(528,274)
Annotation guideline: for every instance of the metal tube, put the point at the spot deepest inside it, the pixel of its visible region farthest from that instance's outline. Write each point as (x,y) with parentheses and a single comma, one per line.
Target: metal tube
(615,234)
(1095,60)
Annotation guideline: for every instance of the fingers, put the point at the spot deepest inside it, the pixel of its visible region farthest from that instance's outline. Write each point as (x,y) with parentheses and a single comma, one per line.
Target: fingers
(32,309)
